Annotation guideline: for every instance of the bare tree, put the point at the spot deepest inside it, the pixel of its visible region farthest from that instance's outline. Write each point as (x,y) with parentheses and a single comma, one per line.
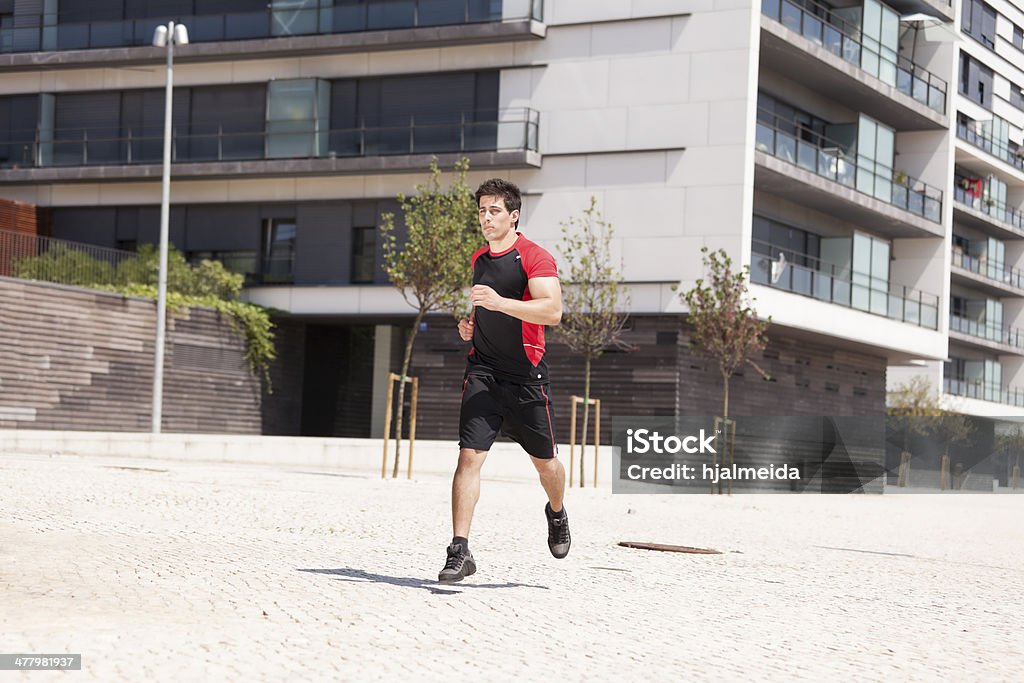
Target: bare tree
(430,266)
(594,298)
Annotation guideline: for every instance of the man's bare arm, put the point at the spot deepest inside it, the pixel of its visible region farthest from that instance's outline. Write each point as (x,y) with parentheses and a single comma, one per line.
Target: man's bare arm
(544,307)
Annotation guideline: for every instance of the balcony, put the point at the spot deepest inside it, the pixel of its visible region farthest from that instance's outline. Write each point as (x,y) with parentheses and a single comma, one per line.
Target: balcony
(380,24)
(986,335)
(986,213)
(505,138)
(809,276)
(999,149)
(992,278)
(888,201)
(983,391)
(890,89)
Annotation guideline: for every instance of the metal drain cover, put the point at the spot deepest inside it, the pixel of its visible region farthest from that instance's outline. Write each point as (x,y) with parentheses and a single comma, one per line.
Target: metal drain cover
(669,548)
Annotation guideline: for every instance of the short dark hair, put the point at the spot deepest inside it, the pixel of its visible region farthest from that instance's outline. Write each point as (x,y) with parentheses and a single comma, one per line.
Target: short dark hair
(499,187)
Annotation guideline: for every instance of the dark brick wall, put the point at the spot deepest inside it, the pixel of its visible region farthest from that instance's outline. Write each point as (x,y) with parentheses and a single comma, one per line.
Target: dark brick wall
(78,359)
(659,375)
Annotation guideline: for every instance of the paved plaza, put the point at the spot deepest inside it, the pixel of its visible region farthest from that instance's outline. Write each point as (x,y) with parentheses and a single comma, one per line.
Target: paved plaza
(167,570)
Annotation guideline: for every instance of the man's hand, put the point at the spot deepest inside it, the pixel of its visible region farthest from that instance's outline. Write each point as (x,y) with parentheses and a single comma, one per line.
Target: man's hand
(466,328)
(482,295)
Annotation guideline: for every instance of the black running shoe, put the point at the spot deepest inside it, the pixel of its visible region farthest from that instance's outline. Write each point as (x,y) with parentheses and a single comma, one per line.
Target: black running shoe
(558,532)
(460,564)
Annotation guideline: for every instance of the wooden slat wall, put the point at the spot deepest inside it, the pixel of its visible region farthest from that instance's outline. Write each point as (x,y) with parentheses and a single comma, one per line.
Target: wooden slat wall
(18,217)
(76,359)
(660,375)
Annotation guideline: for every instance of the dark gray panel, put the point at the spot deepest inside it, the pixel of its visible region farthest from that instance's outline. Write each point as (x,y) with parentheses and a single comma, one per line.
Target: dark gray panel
(323,243)
(226,6)
(223,228)
(277,211)
(91,225)
(127,223)
(149,226)
(221,118)
(86,128)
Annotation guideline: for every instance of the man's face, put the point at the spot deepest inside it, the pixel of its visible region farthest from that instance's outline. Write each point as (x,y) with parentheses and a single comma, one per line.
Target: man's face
(495,219)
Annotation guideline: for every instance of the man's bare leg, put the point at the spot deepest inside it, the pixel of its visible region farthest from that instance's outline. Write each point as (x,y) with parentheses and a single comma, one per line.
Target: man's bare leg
(465,494)
(466,490)
(552,478)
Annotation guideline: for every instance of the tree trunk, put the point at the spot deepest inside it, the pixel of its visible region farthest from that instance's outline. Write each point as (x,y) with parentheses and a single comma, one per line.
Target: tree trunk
(726,433)
(586,413)
(401,390)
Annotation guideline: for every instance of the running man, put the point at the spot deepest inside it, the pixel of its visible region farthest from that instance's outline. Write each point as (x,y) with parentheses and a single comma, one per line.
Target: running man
(515,294)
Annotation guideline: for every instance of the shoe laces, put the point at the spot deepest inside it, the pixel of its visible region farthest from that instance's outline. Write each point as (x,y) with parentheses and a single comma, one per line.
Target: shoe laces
(558,531)
(455,557)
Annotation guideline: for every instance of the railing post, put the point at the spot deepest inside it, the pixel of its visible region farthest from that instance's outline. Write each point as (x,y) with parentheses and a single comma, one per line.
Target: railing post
(462,132)
(220,142)
(412,134)
(130,145)
(85,147)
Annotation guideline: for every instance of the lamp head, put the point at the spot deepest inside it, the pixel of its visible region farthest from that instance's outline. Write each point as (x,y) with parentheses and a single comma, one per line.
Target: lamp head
(160,36)
(180,34)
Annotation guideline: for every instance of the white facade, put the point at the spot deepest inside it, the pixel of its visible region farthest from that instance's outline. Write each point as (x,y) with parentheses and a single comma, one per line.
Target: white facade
(656,108)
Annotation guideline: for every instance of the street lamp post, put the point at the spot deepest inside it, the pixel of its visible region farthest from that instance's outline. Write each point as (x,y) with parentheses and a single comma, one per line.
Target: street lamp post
(164,36)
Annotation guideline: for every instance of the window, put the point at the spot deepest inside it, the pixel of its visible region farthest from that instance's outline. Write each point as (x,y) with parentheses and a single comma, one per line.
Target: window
(976,81)
(243,262)
(18,121)
(871,273)
(979,22)
(364,251)
(1018,37)
(1016,96)
(278,250)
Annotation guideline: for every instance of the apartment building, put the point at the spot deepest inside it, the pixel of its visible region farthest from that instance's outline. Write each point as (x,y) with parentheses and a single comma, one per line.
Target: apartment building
(857,156)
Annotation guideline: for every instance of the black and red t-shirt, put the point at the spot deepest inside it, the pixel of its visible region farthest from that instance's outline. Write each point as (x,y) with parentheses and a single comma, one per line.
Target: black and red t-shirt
(503,346)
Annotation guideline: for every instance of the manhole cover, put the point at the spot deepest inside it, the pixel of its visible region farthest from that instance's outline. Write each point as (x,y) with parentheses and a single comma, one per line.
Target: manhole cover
(669,548)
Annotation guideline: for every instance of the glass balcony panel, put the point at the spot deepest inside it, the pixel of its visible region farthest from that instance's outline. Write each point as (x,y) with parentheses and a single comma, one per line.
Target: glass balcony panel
(812,28)
(791,16)
(765,139)
(807,156)
(785,147)
(832,40)
(385,14)
(246,25)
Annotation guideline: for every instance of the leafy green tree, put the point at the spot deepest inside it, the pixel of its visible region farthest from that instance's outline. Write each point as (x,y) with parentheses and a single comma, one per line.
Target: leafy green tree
(725,326)
(430,263)
(912,408)
(593,297)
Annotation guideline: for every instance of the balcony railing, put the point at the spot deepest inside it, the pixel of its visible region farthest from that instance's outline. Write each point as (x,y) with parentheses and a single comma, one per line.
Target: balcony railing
(984,391)
(1011,336)
(824,157)
(996,209)
(841,38)
(504,130)
(983,141)
(32,257)
(987,269)
(49,33)
(809,276)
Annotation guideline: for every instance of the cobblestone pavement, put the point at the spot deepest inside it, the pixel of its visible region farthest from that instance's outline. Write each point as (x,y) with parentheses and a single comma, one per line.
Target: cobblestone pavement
(162,570)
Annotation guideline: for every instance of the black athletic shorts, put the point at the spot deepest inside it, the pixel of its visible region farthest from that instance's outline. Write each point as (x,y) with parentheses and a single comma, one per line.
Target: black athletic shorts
(522,412)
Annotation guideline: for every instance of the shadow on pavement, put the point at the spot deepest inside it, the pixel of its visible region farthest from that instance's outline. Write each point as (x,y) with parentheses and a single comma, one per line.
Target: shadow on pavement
(360,576)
